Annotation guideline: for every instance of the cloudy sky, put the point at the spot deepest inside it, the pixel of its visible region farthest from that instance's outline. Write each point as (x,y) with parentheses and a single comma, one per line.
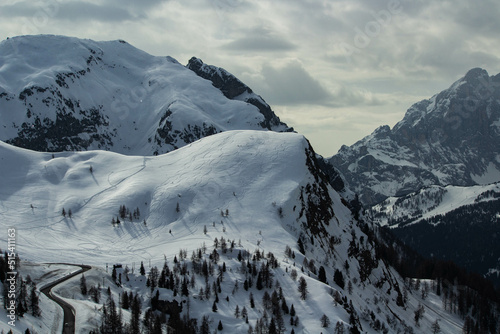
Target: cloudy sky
(334,69)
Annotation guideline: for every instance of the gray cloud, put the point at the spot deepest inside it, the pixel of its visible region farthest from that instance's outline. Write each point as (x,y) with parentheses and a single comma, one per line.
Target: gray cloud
(73,11)
(260,40)
(292,84)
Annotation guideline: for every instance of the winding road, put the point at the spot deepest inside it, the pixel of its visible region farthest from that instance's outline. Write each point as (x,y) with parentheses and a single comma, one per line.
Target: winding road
(69,311)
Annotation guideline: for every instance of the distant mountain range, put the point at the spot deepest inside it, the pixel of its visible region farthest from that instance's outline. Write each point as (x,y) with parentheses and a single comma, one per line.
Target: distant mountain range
(452,138)
(430,178)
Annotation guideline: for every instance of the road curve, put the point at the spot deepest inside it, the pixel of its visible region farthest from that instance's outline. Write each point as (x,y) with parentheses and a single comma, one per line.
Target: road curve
(69,311)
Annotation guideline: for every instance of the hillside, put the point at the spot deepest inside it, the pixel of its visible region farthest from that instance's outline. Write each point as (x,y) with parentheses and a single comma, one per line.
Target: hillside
(436,219)
(66,94)
(451,138)
(263,193)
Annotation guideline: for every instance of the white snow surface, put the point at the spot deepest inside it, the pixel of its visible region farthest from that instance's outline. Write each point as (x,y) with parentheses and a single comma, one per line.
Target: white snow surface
(491,175)
(429,202)
(251,174)
(133,90)
(236,171)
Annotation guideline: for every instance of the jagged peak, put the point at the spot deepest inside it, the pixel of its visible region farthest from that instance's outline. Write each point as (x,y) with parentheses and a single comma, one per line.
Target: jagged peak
(475,74)
(235,89)
(228,84)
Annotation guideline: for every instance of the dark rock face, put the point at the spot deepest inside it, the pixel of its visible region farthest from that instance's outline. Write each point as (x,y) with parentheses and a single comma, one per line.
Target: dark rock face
(452,138)
(74,128)
(233,88)
(228,84)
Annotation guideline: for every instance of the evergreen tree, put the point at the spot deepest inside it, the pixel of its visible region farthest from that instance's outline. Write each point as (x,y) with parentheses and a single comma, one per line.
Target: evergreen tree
(148,321)
(111,321)
(83,285)
(322,274)
(338,278)
(272,327)
(142,271)
(34,307)
(244,312)
(292,311)
(435,327)
(205,325)
(21,305)
(303,288)
(157,328)
(214,307)
(124,301)
(155,300)
(339,328)
(325,321)
(259,285)
(123,211)
(136,314)
(284,306)
(184,287)
(419,313)
(301,246)
(64,212)
(95,294)
(220,327)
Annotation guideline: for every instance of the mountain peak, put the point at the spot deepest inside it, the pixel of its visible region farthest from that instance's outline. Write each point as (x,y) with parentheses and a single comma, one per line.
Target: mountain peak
(475,74)
(234,89)
(451,138)
(228,84)
(62,93)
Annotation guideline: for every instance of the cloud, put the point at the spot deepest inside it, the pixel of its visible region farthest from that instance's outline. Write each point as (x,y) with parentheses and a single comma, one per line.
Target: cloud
(291,84)
(67,11)
(257,42)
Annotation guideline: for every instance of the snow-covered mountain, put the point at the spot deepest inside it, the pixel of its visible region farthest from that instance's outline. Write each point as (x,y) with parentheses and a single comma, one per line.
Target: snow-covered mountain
(435,219)
(451,138)
(241,213)
(261,192)
(63,94)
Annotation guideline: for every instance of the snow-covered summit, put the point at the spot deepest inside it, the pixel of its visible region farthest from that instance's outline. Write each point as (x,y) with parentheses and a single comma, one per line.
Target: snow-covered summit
(61,93)
(451,138)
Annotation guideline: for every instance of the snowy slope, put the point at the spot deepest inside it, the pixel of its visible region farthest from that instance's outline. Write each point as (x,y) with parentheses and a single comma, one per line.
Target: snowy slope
(264,190)
(61,94)
(430,202)
(227,171)
(436,219)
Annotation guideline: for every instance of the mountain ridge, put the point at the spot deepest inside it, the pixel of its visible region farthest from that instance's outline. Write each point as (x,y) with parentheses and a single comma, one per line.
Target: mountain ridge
(435,219)
(451,138)
(62,93)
